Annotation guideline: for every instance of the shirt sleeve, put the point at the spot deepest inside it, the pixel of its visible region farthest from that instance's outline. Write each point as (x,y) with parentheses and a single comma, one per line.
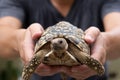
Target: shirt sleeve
(12,8)
(110,6)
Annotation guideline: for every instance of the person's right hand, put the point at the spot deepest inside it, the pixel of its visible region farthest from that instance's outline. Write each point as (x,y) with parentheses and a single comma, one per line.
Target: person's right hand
(26,44)
(26,41)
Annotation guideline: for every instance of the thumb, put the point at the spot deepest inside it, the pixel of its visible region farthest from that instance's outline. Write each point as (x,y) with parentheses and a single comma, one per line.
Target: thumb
(33,32)
(91,34)
(36,30)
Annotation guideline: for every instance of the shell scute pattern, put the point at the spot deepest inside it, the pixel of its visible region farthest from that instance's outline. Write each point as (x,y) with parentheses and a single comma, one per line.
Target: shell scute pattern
(78,51)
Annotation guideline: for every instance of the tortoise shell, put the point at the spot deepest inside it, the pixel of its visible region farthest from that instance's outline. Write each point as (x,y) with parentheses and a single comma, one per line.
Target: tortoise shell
(77,51)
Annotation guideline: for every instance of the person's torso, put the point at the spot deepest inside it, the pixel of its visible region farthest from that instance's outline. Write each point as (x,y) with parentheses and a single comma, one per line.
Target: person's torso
(83,13)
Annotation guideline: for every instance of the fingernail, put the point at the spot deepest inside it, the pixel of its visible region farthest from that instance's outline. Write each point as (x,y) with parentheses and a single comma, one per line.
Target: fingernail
(36,35)
(89,38)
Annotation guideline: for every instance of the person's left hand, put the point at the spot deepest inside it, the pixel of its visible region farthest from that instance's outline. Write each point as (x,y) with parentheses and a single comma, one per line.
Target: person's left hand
(97,41)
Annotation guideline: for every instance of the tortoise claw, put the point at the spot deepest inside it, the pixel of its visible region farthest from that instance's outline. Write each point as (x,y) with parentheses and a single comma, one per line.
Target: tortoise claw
(29,69)
(95,65)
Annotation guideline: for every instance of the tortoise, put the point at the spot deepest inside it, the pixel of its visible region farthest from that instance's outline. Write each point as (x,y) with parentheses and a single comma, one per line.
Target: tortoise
(62,44)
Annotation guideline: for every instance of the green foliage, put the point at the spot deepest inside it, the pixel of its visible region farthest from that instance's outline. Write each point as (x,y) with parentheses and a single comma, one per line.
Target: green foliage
(11,71)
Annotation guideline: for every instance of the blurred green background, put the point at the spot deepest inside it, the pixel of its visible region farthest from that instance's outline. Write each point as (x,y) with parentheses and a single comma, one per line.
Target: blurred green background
(11,69)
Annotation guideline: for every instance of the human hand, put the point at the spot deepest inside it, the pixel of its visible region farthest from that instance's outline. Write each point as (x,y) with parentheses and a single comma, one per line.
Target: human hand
(26,46)
(27,41)
(97,41)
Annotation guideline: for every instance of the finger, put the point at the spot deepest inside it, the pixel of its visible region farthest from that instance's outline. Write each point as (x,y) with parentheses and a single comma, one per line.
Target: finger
(27,47)
(82,69)
(36,30)
(46,70)
(43,67)
(91,34)
(98,50)
(81,72)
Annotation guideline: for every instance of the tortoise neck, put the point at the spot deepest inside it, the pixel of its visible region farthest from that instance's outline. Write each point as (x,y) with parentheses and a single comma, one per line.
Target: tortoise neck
(59,54)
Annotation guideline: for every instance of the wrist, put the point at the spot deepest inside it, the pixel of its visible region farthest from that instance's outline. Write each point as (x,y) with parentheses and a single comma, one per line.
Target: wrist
(19,37)
(9,42)
(112,45)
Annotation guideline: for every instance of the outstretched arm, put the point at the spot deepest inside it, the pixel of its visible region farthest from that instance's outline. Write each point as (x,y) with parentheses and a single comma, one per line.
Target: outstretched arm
(112,27)
(16,41)
(8,27)
(102,44)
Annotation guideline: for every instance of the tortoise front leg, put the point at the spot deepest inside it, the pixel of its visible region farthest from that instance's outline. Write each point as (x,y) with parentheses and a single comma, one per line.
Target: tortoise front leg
(86,59)
(95,65)
(90,62)
(29,69)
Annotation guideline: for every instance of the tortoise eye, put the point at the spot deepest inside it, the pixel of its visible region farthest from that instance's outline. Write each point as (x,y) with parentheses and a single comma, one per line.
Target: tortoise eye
(60,41)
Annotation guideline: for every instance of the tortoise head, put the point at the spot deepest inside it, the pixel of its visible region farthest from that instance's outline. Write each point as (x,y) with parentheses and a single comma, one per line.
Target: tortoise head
(59,46)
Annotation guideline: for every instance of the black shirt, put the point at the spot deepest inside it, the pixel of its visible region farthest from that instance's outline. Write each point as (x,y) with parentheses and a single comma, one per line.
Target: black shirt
(83,13)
